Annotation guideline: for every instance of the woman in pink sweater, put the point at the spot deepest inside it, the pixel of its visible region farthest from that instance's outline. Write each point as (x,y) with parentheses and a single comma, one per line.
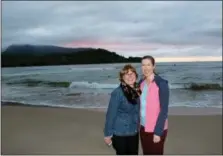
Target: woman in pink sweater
(154,102)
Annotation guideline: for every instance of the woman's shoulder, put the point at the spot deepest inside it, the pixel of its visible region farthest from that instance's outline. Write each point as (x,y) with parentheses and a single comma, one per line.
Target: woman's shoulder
(162,83)
(116,91)
(160,79)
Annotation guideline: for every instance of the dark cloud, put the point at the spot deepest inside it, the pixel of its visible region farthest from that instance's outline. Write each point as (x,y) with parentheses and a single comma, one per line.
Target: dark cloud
(189,27)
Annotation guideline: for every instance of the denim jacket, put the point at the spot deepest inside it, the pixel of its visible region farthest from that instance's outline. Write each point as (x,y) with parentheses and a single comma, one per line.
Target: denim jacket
(122,118)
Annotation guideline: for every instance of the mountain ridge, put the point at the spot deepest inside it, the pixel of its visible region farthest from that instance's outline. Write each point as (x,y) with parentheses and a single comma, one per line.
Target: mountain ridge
(42,55)
(39,48)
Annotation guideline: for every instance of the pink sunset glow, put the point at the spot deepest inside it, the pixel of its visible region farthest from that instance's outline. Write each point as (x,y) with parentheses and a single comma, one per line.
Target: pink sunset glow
(140,49)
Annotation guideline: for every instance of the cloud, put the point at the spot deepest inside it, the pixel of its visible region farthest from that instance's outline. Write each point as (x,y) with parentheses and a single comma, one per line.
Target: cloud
(184,28)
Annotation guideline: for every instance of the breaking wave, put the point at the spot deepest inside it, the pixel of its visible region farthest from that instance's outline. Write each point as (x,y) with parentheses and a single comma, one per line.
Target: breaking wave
(85,84)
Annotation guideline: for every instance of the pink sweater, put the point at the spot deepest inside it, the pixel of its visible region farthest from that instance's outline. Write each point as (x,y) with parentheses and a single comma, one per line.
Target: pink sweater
(152,107)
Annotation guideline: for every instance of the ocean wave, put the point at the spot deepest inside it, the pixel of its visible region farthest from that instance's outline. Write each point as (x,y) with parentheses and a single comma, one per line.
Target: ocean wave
(204,86)
(92,69)
(92,85)
(66,84)
(34,73)
(33,83)
(95,85)
(197,86)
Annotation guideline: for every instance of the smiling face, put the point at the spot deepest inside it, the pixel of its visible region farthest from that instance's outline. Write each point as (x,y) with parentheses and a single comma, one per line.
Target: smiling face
(129,78)
(148,66)
(128,75)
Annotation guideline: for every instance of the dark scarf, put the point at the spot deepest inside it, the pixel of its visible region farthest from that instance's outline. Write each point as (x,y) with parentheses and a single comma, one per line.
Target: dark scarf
(130,93)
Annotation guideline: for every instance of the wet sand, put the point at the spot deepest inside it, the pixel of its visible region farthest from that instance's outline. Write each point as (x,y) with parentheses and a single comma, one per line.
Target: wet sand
(44,130)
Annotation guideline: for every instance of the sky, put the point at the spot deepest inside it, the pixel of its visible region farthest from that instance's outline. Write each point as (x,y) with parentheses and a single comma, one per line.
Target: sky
(167,30)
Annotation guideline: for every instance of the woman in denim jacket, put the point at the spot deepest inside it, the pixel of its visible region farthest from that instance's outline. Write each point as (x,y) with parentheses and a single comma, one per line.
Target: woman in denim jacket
(122,117)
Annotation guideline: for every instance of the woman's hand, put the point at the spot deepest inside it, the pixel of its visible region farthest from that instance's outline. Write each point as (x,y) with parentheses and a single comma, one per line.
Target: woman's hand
(108,140)
(156,138)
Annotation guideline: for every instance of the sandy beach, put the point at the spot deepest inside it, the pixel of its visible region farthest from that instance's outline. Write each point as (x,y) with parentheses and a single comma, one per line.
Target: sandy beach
(44,130)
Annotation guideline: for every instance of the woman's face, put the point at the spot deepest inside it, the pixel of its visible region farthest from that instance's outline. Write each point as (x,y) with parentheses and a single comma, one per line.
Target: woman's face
(129,78)
(147,67)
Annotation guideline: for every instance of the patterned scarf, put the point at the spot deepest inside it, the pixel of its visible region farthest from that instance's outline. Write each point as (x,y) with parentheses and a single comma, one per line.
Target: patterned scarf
(130,93)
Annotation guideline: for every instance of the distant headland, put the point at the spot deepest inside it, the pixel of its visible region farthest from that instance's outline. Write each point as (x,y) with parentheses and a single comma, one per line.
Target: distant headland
(42,55)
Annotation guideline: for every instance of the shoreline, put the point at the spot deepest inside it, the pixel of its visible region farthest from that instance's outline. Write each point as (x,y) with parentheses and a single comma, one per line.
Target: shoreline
(60,131)
(159,62)
(178,110)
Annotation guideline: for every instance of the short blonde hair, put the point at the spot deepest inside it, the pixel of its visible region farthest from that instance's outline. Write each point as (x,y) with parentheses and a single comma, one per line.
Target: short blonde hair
(125,70)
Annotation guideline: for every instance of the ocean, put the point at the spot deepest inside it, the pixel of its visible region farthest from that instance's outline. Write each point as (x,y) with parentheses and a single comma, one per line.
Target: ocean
(197,84)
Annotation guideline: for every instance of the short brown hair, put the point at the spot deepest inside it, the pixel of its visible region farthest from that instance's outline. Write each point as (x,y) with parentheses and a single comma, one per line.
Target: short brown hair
(125,70)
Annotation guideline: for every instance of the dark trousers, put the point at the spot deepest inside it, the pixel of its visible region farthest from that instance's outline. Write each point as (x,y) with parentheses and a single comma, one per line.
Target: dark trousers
(148,146)
(126,145)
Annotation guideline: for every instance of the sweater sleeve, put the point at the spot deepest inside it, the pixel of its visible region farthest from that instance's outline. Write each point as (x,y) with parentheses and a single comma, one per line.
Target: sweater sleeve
(164,104)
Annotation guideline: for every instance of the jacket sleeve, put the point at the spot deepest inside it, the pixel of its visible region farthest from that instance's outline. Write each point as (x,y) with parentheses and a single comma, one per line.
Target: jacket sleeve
(111,114)
(164,104)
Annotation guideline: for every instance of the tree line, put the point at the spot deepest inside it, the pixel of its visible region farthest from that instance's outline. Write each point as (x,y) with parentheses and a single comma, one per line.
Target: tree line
(22,57)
